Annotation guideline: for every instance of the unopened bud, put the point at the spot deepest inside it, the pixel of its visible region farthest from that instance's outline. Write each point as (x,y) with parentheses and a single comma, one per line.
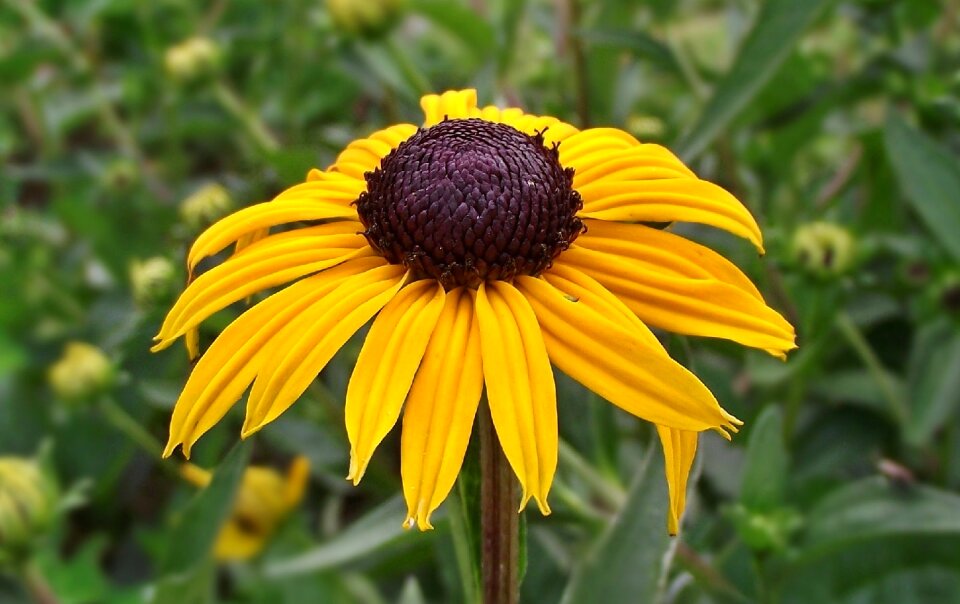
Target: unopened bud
(823,248)
(369,19)
(209,203)
(28,505)
(192,60)
(81,373)
(151,279)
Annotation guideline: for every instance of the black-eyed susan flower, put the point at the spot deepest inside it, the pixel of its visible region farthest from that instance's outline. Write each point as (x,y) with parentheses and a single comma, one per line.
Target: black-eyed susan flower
(265,497)
(485,246)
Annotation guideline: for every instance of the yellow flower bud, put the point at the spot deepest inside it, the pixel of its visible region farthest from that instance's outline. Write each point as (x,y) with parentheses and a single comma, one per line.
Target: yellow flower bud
(824,248)
(365,18)
(82,372)
(206,205)
(264,499)
(151,279)
(28,503)
(192,59)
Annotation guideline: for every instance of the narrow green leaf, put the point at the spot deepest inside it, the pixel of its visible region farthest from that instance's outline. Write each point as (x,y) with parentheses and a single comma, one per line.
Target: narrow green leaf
(367,535)
(933,380)
(765,472)
(627,562)
(874,509)
(465,25)
(930,178)
(768,44)
(191,539)
(193,586)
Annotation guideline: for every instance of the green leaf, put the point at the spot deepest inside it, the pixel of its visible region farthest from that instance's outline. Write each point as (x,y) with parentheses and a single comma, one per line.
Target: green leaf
(191,539)
(873,509)
(627,562)
(933,380)
(367,535)
(194,586)
(462,23)
(768,44)
(765,472)
(930,178)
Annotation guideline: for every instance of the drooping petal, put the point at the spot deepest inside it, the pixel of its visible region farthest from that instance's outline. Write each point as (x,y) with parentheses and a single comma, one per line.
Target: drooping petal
(662,251)
(388,361)
(704,307)
(679,449)
(267,263)
(307,344)
(453,104)
(262,216)
(364,155)
(440,409)
(591,140)
(520,387)
(603,352)
(642,162)
(668,200)
(233,360)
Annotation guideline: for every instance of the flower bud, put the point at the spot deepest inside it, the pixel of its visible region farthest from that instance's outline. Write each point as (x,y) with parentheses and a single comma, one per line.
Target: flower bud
(824,249)
(369,19)
(28,505)
(81,373)
(192,60)
(151,279)
(206,205)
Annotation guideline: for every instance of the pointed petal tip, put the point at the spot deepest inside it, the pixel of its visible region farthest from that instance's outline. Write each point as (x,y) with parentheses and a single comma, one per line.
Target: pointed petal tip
(543,505)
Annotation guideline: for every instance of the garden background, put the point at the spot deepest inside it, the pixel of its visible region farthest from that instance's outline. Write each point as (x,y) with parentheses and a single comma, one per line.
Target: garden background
(126,127)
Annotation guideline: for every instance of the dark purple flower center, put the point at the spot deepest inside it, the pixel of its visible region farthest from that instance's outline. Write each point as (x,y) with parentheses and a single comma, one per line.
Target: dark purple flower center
(466,201)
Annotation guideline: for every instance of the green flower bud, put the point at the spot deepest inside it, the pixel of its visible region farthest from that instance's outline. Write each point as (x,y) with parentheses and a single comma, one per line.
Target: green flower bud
(824,249)
(765,531)
(206,205)
(192,60)
(369,19)
(151,279)
(28,505)
(81,373)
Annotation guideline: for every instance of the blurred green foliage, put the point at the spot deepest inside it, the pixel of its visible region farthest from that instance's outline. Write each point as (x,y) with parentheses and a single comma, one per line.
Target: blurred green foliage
(843,486)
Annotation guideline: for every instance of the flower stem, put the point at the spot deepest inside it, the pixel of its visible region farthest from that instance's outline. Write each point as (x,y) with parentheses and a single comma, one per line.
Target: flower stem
(37,585)
(247,117)
(499,520)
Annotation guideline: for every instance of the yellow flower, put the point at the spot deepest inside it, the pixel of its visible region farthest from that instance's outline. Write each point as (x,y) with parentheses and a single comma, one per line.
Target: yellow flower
(81,372)
(485,246)
(192,59)
(264,499)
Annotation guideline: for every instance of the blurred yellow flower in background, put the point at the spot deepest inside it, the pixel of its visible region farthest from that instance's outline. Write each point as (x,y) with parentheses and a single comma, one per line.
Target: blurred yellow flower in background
(28,504)
(264,499)
(208,203)
(81,372)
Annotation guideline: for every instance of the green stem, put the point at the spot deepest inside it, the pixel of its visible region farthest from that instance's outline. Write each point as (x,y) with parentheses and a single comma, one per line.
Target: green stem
(580,71)
(408,68)
(859,343)
(499,520)
(466,559)
(612,495)
(37,585)
(251,122)
(131,428)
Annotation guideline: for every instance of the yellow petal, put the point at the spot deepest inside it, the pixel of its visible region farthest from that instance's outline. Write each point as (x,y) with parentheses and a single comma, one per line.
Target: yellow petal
(438,417)
(364,155)
(603,352)
(703,307)
(233,360)
(306,345)
(270,262)
(453,104)
(667,200)
(520,387)
(298,475)
(643,162)
(340,190)
(663,251)
(591,140)
(679,449)
(385,368)
(261,216)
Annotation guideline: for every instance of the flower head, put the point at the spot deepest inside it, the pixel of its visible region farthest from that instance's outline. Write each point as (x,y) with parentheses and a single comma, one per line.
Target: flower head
(264,499)
(28,504)
(485,245)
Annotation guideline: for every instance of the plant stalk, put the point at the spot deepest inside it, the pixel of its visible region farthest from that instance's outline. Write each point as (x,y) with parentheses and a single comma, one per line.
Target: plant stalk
(499,520)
